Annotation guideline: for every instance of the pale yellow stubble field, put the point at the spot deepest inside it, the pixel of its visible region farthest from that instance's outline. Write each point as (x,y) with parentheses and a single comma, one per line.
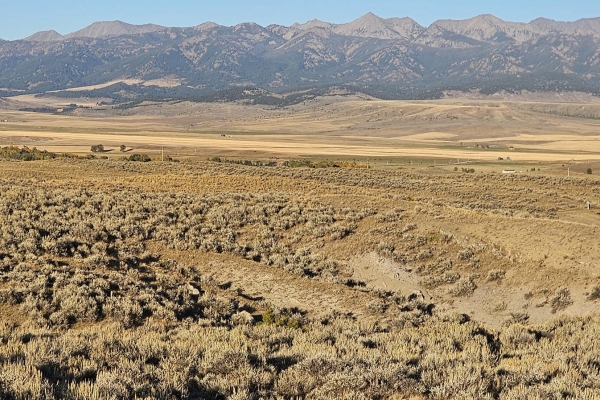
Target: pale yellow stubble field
(449,131)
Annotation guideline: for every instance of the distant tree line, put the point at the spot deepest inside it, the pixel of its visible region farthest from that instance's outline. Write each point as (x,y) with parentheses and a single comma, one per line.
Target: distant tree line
(324,164)
(244,162)
(30,154)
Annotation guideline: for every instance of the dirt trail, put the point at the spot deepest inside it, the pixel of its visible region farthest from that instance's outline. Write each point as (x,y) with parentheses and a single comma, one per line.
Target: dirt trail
(276,286)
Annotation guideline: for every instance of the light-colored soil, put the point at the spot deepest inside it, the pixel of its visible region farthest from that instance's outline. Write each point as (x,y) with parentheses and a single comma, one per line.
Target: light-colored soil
(107,84)
(384,274)
(274,285)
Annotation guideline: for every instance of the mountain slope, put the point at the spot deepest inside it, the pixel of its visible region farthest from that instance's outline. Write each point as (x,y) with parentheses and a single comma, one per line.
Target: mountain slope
(406,27)
(488,28)
(582,27)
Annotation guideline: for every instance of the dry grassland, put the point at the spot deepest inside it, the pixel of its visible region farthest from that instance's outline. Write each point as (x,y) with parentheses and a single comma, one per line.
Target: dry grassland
(383,131)
(210,280)
(416,279)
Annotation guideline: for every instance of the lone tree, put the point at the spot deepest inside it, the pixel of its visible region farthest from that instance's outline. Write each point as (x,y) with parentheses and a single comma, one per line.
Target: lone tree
(589,171)
(122,148)
(98,148)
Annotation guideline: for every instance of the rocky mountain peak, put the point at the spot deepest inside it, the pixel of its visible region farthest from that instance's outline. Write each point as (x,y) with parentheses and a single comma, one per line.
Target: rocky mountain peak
(314,23)
(207,26)
(488,19)
(543,22)
(45,36)
(373,26)
(370,19)
(369,25)
(113,28)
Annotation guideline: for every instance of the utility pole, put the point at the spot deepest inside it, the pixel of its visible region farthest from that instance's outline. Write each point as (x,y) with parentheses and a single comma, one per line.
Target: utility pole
(162,154)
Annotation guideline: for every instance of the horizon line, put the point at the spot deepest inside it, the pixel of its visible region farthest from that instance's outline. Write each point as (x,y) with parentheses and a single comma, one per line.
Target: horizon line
(297,23)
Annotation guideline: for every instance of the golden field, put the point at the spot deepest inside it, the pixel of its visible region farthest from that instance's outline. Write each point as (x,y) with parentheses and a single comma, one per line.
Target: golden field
(385,132)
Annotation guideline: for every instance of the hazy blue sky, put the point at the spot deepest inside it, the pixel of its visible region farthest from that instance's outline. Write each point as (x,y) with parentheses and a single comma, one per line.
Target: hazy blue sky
(20,18)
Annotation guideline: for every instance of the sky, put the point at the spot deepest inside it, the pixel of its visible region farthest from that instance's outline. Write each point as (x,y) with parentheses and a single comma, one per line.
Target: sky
(21,18)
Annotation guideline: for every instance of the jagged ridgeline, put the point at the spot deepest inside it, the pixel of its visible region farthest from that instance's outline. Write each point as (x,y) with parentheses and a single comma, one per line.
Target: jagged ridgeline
(393,58)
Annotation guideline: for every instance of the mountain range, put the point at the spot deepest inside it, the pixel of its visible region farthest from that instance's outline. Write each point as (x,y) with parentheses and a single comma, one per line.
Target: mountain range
(387,58)
(96,30)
